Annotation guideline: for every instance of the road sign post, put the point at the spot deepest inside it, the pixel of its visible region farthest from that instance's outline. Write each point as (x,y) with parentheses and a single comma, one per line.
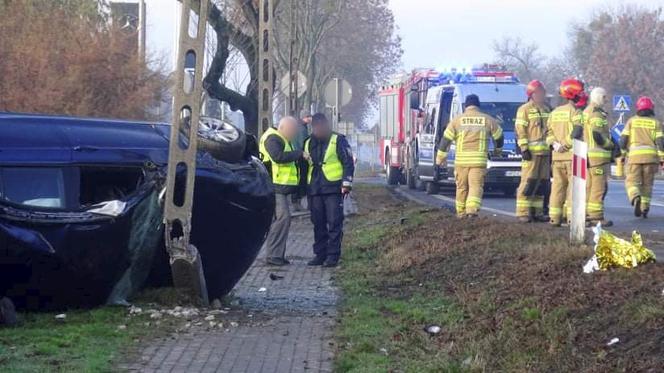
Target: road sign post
(579,178)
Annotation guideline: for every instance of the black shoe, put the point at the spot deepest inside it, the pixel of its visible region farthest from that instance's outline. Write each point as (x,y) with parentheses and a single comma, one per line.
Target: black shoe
(644,213)
(331,262)
(317,261)
(279,262)
(636,202)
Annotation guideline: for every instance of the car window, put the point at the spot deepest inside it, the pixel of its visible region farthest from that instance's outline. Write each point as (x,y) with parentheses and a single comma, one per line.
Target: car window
(33,186)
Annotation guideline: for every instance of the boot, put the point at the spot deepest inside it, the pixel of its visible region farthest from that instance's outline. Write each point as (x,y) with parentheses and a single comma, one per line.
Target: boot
(317,261)
(541,219)
(644,213)
(636,202)
(605,223)
(331,262)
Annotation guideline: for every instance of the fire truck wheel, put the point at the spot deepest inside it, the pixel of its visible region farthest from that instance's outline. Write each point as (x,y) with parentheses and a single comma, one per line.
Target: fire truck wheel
(393,175)
(432,188)
(411,178)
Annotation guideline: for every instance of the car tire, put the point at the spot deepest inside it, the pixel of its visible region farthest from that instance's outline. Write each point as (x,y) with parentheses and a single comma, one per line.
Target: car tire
(432,188)
(411,179)
(222,140)
(393,175)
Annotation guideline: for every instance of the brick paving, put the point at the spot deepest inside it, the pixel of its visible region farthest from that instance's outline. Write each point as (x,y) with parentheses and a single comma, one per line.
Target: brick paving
(285,328)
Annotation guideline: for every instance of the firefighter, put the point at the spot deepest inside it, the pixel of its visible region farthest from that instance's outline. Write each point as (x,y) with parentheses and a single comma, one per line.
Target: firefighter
(565,123)
(643,141)
(597,134)
(531,120)
(470,132)
(329,171)
(281,160)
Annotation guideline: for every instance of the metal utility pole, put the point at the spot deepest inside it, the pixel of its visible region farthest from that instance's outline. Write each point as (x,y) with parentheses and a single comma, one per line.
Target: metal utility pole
(142,31)
(185,261)
(265,66)
(293,64)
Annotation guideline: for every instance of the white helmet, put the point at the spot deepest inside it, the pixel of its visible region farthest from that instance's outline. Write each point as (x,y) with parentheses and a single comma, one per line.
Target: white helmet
(598,96)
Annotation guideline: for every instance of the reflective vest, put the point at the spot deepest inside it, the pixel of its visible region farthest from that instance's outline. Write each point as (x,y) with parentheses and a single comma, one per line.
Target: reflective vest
(332,167)
(562,121)
(643,133)
(471,132)
(282,173)
(530,125)
(595,120)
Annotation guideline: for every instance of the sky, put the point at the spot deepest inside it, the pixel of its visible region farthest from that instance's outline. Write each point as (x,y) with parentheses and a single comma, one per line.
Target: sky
(443,33)
(450,33)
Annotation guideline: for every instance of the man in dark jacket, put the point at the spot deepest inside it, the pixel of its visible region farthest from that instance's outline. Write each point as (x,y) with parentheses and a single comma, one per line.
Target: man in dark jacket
(282,162)
(329,178)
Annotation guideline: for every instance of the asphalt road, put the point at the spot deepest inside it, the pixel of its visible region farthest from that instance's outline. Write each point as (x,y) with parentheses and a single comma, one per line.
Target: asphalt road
(617,207)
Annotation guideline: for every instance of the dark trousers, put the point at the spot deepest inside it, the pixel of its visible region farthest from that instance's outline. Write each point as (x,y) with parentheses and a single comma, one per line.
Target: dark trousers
(327,215)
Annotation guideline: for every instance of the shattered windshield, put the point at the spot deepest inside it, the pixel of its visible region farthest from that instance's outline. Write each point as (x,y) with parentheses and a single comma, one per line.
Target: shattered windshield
(31,186)
(505,112)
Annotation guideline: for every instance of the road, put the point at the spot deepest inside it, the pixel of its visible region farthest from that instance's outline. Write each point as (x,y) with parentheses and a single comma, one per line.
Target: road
(618,209)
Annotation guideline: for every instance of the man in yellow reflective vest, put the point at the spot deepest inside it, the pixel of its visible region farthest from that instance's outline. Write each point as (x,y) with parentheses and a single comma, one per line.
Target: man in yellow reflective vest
(643,141)
(470,132)
(598,136)
(329,178)
(530,123)
(565,124)
(281,161)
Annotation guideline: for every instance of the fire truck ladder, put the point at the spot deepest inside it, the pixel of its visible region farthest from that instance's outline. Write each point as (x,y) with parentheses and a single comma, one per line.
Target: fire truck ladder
(186,265)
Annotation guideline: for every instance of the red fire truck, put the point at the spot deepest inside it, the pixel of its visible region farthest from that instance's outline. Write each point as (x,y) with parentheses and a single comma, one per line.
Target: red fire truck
(415,109)
(398,122)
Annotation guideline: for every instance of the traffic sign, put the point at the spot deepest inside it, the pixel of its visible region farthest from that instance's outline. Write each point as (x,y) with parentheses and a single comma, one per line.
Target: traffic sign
(284,84)
(622,103)
(338,87)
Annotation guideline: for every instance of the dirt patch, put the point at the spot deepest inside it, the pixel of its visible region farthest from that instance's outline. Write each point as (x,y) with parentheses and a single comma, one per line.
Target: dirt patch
(527,304)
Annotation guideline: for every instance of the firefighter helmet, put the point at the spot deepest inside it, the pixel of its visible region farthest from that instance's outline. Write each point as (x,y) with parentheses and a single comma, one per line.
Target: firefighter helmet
(570,89)
(598,96)
(645,103)
(533,86)
(581,100)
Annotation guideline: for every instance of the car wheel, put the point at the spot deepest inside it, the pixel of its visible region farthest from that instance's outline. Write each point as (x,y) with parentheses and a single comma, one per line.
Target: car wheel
(410,179)
(221,140)
(432,188)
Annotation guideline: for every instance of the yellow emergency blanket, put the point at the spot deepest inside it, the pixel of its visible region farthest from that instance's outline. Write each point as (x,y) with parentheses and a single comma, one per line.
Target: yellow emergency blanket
(612,251)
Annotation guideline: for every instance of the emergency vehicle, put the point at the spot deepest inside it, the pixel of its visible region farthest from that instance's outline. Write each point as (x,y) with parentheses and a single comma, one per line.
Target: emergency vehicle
(415,110)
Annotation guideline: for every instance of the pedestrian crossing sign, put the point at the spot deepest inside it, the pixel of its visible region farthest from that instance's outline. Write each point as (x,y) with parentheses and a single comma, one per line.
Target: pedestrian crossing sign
(622,103)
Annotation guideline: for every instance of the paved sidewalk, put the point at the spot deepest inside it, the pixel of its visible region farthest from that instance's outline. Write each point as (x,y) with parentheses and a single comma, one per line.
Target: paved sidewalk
(286,325)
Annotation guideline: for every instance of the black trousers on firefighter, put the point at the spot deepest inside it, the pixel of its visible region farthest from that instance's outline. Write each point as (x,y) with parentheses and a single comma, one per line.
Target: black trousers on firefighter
(327,215)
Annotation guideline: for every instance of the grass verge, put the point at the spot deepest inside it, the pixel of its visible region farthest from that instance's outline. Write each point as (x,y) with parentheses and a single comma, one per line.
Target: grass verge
(508,297)
(94,340)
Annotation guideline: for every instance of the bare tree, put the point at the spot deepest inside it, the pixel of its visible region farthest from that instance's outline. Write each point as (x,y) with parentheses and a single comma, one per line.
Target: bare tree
(68,60)
(523,58)
(622,49)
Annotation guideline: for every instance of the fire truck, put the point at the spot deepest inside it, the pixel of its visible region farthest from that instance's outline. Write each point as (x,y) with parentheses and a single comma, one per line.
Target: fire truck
(415,108)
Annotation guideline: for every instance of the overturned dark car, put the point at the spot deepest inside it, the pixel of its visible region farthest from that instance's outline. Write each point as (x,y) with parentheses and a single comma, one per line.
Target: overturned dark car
(81,210)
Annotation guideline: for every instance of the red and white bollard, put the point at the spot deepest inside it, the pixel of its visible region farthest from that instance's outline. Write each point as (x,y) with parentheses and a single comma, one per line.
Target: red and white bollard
(579,179)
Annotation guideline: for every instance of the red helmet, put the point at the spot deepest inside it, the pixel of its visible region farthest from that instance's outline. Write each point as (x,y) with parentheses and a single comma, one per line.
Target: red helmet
(645,103)
(570,89)
(533,86)
(581,101)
